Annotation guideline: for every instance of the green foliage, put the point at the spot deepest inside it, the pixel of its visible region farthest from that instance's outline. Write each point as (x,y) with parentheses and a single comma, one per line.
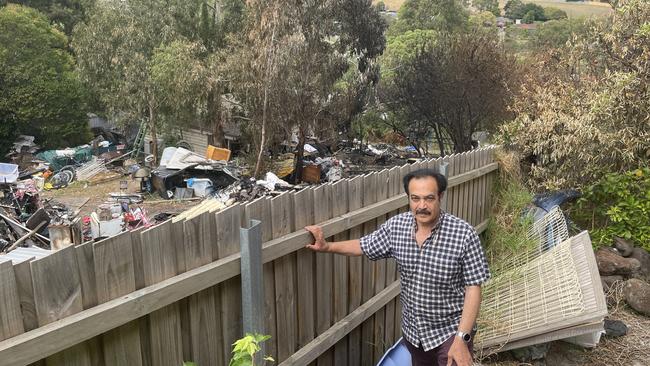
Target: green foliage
(40,93)
(556,33)
(488,5)
(64,14)
(441,15)
(179,68)
(551,13)
(584,110)
(617,205)
(529,17)
(483,19)
(403,48)
(244,350)
(515,9)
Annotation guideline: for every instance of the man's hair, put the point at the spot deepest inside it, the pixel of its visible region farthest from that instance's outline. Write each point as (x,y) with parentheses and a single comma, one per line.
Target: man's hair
(423,173)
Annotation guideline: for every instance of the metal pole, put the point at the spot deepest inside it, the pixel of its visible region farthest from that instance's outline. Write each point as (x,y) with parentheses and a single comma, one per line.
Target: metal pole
(252,288)
(444,170)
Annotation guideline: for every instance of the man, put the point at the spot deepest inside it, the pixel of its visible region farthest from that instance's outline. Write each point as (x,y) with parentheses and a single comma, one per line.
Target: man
(441,265)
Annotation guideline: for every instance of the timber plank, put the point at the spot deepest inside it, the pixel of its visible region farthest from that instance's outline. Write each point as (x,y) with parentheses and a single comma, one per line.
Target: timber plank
(383,185)
(11,319)
(355,202)
(340,207)
(26,294)
(303,205)
(57,294)
(159,263)
(86,265)
(115,277)
(285,279)
(227,240)
(204,326)
(307,354)
(324,268)
(370,183)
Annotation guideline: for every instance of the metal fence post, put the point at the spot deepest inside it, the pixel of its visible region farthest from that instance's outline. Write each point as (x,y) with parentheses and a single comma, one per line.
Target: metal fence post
(252,288)
(444,170)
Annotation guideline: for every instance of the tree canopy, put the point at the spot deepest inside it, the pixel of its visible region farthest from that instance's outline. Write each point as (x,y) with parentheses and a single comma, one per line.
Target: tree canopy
(39,92)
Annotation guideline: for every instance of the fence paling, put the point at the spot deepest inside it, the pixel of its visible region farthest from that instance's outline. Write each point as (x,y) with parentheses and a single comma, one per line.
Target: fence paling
(161,253)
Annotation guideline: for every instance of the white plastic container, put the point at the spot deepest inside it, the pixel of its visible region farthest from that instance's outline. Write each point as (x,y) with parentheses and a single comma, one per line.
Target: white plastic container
(202,186)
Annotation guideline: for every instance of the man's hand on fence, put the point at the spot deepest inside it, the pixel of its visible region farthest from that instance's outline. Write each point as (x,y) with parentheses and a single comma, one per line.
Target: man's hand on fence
(319,244)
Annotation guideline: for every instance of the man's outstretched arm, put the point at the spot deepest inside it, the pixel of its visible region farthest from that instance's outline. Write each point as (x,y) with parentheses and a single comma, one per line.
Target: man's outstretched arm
(348,247)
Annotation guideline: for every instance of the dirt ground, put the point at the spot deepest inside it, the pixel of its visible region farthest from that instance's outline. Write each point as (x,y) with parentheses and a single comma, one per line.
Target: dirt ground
(86,197)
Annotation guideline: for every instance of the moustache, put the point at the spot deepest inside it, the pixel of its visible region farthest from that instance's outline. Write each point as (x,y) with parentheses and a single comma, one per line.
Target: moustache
(423,212)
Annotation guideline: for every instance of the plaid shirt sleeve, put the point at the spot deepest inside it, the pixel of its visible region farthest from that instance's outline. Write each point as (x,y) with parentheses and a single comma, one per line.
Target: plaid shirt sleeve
(377,244)
(474,265)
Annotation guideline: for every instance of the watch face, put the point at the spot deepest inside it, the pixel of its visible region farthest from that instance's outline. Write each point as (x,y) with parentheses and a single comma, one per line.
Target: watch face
(467,337)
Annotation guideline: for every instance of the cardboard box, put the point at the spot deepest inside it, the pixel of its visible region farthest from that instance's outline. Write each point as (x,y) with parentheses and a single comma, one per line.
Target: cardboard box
(217,153)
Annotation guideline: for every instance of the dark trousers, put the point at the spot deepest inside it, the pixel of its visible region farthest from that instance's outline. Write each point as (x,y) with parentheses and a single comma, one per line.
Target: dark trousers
(434,357)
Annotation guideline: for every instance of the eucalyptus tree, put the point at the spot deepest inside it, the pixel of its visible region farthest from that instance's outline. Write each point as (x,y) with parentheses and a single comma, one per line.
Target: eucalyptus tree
(154,60)
(290,59)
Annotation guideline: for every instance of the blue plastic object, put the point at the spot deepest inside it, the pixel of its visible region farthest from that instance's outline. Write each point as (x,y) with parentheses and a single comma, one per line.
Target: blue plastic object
(398,355)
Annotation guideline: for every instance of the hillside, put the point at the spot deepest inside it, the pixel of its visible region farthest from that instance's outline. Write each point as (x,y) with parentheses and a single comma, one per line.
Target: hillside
(573,9)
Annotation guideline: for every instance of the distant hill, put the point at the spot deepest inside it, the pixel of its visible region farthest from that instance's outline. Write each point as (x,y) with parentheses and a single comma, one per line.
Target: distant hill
(572,8)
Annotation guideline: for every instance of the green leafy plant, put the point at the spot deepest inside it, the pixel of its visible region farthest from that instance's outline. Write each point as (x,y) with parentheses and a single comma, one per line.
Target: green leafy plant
(617,205)
(244,350)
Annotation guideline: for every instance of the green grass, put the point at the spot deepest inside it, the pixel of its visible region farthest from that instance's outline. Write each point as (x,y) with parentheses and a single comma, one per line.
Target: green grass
(506,234)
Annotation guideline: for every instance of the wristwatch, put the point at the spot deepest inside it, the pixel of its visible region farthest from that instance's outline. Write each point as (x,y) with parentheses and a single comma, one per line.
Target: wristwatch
(466,337)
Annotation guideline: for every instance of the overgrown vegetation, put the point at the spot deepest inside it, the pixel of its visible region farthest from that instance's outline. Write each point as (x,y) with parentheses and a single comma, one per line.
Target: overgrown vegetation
(617,205)
(585,111)
(508,228)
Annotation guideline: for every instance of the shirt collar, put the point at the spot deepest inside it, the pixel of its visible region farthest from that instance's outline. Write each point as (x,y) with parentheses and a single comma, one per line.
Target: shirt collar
(441,217)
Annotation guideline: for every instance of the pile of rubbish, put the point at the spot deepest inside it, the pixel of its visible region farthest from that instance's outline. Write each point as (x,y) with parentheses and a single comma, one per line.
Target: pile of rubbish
(55,169)
(28,220)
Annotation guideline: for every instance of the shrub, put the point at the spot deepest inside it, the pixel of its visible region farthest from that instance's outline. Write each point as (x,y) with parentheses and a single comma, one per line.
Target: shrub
(584,110)
(551,13)
(617,205)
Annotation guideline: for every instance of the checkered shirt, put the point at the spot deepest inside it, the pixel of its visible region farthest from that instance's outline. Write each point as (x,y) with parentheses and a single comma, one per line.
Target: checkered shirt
(433,278)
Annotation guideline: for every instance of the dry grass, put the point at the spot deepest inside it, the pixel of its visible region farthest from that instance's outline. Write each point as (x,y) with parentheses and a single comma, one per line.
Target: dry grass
(577,9)
(573,9)
(631,349)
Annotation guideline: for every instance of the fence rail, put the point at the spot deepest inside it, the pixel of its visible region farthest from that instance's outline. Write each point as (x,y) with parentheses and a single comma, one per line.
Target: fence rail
(173,293)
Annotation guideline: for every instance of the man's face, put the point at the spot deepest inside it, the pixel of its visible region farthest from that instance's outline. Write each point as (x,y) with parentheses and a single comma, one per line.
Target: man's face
(424,200)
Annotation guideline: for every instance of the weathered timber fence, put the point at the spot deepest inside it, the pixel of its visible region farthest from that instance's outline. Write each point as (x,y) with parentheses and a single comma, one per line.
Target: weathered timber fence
(173,293)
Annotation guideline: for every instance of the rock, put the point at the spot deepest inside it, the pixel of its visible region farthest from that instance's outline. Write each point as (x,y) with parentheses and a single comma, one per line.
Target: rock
(531,353)
(608,281)
(637,295)
(623,246)
(615,328)
(643,257)
(610,263)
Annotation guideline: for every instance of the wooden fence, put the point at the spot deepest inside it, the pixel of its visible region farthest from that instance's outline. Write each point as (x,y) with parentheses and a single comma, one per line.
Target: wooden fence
(172,293)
